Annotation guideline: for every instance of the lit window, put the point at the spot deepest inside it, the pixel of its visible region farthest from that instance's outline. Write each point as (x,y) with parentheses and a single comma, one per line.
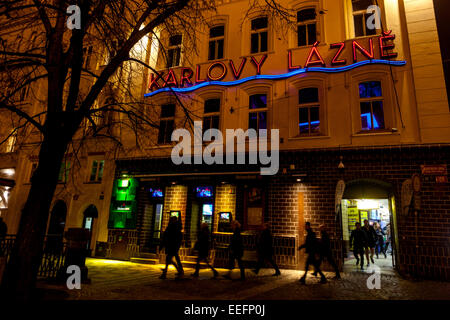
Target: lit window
(211,115)
(306,27)
(371,105)
(166,123)
(216,42)
(257,117)
(360,16)
(96,173)
(64,172)
(309,111)
(174,51)
(259,35)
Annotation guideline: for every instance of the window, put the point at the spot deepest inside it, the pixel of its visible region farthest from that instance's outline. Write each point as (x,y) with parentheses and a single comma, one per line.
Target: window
(306,27)
(216,41)
(174,51)
(166,123)
(64,172)
(96,173)
(309,111)
(10,144)
(87,53)
(257,117)
(360,16)
(34,166)
(259,35)
(371,105)
(211,115)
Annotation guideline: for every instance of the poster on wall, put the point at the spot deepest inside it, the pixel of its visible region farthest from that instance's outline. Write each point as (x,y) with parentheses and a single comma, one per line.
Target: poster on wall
(353,217)
(254,216)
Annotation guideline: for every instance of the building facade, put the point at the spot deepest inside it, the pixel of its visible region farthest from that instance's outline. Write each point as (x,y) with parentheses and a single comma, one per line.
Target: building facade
(363,124)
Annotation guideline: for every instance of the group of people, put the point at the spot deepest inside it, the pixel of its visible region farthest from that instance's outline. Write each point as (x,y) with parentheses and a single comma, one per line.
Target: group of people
(317,249)
(368,239)
(172,239)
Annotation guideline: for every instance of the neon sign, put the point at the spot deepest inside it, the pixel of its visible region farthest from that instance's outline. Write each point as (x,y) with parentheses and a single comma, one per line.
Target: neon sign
(190,81)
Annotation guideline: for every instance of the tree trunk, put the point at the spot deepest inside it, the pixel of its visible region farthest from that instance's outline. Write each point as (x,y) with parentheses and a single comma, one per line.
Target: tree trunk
(20,276)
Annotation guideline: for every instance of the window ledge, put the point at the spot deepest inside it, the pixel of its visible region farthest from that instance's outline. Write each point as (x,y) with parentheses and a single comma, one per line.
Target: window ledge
(321,44)
(376,133)
(257,54)
(308,137)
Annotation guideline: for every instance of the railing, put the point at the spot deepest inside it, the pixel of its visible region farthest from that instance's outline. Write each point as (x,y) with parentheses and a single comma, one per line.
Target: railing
(53,256)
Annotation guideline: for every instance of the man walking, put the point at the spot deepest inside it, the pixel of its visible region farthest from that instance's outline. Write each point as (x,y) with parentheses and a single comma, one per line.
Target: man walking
(172,242)
(358,238)
(265,250)
(311,246)
(236,250)
(371,237)
(202,245)
(325,250)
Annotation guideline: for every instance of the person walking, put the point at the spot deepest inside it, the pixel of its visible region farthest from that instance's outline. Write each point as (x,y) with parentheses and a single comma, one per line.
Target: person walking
(236,250)
(371,240)
(172,242)
(264,248)
(325,251)
(312,249)
(202,245)
(380,241)
(359,242)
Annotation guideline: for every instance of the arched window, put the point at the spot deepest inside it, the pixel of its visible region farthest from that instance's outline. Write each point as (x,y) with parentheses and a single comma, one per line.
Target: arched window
(257,116)
(360,17)
(371,106)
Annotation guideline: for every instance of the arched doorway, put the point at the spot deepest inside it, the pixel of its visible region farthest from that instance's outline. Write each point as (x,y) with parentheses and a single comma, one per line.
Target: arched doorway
(89,215)
(56,227)
(373,201)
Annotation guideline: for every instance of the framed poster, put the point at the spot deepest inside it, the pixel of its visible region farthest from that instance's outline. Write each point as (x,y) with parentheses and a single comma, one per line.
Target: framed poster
(255,216)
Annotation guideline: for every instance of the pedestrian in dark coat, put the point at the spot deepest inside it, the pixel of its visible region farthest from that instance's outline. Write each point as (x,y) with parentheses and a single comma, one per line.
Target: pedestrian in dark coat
(312,249)
(172,239)
(265,250)
(325,250)
(202,245)
(371,236)
(359,240)
(380,240)
(236,250)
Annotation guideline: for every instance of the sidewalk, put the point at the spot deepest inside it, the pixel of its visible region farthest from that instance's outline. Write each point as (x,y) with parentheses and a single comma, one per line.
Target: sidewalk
(120,280)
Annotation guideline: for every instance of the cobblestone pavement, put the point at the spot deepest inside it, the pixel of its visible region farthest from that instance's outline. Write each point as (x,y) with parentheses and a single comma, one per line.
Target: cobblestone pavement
(118,280)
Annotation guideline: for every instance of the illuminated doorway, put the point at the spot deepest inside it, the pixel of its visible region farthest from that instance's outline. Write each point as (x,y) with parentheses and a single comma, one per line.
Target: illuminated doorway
(88,221)
(369,200)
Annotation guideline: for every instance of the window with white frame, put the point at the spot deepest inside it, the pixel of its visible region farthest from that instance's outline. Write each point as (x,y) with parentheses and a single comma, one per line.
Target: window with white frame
(166,123)
(371,104)
(174,51)
(309,111)
(96,173)
(360,17)
(211,115)
(216,42)
(259,35)
(306,27)
(257,116)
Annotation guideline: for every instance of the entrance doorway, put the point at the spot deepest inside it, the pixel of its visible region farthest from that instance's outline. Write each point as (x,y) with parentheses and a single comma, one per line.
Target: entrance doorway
(153,214)
(369,200)
(56,227)
(89,216)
